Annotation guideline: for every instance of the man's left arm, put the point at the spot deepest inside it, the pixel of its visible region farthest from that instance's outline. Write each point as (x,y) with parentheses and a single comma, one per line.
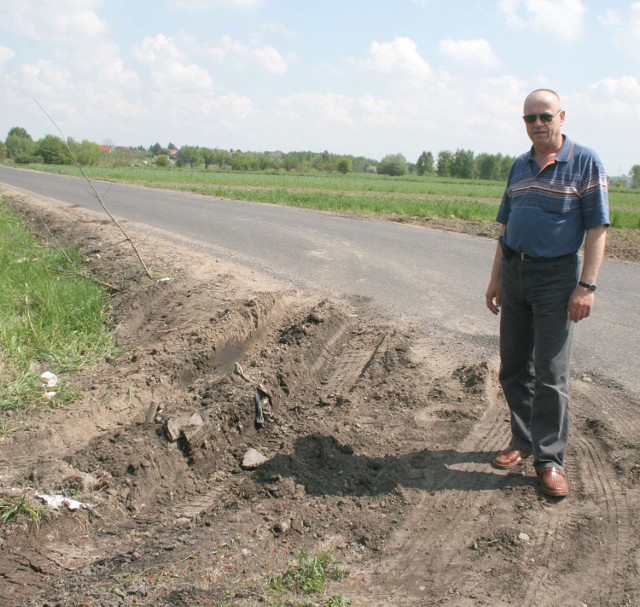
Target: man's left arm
(582,299)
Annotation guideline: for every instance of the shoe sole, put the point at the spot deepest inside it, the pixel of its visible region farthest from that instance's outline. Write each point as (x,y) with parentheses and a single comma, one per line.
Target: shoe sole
(551,493)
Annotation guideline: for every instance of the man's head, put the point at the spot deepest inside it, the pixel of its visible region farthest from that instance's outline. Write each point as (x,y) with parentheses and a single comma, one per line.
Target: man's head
(543,118)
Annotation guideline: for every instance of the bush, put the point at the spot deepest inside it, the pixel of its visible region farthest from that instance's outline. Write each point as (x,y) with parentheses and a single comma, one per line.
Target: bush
(28,159)
(393,164)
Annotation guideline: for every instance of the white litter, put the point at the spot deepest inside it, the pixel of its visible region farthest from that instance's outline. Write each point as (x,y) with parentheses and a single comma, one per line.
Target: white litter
(57,501)
(49,379)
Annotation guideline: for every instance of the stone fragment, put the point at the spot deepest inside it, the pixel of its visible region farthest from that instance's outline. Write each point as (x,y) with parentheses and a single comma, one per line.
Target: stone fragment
(253,459)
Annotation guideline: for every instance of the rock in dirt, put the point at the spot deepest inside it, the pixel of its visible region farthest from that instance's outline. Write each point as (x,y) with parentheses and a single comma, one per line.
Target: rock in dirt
(253,459)
(184,426)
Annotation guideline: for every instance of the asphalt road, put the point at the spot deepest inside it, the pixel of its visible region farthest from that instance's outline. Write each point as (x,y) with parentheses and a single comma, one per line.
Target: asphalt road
(435,278)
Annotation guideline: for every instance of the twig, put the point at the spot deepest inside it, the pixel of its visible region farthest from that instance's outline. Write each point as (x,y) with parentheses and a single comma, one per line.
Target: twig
(186,322)
(238,369)
(95,192)
(82,275)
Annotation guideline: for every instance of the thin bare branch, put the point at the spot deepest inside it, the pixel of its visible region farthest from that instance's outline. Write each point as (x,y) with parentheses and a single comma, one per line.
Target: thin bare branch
(95,192)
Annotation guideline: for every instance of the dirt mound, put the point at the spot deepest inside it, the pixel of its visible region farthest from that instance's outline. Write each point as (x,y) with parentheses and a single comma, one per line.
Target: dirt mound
(241,422)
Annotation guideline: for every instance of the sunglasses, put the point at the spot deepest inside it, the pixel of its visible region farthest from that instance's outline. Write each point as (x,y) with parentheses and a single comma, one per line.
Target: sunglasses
(545,117)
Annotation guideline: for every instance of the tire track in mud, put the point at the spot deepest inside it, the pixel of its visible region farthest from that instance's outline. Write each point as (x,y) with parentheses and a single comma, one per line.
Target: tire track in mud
(428,563)
(598,515)
(423,563)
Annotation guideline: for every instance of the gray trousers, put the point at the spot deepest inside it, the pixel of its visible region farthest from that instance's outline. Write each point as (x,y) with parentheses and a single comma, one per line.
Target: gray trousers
(535,354)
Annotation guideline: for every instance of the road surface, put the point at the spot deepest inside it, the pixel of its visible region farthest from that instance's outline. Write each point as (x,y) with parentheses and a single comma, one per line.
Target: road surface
(435,278)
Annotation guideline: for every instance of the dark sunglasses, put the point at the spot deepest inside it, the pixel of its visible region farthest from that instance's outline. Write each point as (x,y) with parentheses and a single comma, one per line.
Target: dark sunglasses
(545,117)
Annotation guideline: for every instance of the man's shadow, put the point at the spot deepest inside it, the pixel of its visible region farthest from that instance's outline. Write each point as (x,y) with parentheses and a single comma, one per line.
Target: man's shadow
(324,466)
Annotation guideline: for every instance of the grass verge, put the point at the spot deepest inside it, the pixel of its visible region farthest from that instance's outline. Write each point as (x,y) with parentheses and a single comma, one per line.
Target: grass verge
(51,318)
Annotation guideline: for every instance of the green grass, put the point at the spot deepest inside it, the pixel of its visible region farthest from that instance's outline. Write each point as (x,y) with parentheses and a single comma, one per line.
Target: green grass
(21,506)
(307,578)
(358,193)
(51,318)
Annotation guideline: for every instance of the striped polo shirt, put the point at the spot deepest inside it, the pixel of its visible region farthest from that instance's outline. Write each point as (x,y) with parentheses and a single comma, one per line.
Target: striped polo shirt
(547,211)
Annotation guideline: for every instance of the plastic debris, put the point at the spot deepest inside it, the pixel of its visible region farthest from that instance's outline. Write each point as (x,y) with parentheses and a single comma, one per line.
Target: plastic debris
(57,501)
(49,379)
(262,404)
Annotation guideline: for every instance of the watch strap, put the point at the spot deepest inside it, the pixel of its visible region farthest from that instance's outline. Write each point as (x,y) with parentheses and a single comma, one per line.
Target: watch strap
(587,285)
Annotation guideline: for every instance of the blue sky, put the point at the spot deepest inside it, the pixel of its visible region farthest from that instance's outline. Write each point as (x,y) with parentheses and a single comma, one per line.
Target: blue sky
(365,77)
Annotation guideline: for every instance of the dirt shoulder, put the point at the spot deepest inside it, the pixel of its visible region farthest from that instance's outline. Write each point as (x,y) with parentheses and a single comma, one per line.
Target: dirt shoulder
(373,440)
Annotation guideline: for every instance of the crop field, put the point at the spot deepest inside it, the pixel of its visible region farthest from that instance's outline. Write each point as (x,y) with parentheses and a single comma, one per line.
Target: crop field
(408,196)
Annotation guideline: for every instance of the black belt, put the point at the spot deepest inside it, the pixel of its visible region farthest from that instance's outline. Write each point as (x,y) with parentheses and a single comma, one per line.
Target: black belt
(510,253)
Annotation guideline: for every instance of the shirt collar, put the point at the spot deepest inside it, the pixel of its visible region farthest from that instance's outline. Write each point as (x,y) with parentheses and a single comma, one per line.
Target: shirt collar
(563,153)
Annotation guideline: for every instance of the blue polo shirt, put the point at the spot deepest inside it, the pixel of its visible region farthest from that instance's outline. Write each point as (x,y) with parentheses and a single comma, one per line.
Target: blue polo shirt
(547,212)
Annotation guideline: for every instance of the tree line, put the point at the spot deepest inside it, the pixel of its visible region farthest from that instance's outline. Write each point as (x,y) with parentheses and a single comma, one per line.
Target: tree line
(22,149)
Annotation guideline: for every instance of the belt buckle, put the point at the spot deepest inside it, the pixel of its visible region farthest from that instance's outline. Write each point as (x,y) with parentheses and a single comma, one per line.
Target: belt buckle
(523,256)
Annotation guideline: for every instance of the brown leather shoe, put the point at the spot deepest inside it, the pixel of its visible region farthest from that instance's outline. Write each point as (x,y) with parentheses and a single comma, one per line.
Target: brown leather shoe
(509,457)
(554,482)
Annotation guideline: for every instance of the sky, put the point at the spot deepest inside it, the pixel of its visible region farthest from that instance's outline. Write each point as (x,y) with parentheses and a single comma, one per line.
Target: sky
(360,77)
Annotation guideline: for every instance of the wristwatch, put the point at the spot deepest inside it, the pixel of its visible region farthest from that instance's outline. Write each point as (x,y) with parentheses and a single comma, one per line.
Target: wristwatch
(588,285)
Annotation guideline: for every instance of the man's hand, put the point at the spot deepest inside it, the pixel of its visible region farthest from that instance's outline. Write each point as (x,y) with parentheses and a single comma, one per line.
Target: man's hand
(580,304)
(492,296)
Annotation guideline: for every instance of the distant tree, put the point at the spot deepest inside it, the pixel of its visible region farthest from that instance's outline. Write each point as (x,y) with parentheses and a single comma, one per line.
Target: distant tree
(162,160)
(290,162)
(208,157)
(222,158)
(156,149)
(488,166)
(393,164)
(87,153)
(53,150)
(444,166)
(244,161)
(424,165)
(19,143)
(464,164)
(190,155)
(266,161)
(172,147)
(634,173)
(19,131)
(505,166)
(324,162)
(345,165)
(3,151)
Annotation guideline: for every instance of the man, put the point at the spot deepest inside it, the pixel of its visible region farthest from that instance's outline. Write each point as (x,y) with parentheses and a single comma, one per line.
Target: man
(556,198)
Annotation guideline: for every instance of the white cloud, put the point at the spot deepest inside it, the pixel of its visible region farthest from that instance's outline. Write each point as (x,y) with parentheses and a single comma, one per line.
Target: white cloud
(322,108)
(273,28)
(193,6)
(6,55)
(170,70)
(266,57)
(610,18)
(43,78)
(398,58)
(108,67)
(559,19)
(475,52)
(626,31)
(67,21)
(628,86)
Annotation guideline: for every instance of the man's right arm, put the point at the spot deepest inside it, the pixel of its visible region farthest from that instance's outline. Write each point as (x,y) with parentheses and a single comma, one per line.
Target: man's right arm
(492,295)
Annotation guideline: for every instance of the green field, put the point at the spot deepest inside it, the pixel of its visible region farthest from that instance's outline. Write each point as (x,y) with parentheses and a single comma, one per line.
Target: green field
(408,196)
